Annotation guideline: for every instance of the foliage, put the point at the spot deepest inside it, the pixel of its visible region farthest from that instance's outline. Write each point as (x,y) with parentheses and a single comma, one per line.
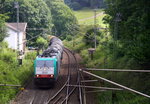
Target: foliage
(34,12)
(89,36)
(104,58)
(64,20)
(30,56)
(76,6)
(2,27)
(133,29)
(3,45)
(11,73)
(41,42)
(125,46)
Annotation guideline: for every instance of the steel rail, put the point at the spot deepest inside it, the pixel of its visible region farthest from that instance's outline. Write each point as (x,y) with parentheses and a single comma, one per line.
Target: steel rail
(67,82)
(93,87)
(84,92)
(68,95)
(95,91)
(57,99)
(80,91)
(79,81)
(86,81)
(114,83)
(11,85)
(58,92)
(119,70)
(32,100)
(78,78)
(69,74)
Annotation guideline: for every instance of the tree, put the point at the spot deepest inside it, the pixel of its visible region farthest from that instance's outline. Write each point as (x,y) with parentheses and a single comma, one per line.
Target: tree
(34,12)
(65,23)
(76,6)
(3,33)
(41,43)
(89,36)
(133,30)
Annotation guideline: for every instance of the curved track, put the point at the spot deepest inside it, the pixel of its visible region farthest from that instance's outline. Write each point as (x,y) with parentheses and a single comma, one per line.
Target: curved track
(61,93)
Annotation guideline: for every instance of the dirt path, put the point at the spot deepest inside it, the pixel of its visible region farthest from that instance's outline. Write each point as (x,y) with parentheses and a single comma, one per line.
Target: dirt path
(100,14)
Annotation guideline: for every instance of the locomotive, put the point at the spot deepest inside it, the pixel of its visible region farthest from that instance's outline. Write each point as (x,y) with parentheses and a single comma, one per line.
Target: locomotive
(47,65)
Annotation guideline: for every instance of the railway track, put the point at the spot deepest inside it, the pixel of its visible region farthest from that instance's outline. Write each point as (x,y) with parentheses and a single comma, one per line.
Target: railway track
(65,93)
(62,92)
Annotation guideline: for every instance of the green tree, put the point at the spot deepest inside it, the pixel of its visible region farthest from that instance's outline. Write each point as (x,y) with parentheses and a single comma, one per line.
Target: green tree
(41,43)
(65,23)
(34,12)
(133,30)
(89,36)
(76,6)
(3,33)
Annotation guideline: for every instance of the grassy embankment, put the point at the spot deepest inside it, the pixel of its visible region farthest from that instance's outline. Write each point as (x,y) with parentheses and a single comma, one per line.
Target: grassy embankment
(104,58)
(12,73)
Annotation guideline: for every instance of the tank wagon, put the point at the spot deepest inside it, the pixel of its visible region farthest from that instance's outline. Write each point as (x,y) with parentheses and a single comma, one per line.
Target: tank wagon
(47,65)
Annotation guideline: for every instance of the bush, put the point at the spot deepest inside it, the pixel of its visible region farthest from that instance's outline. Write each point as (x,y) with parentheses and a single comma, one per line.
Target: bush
(30,55)
(8,55)
(3,45)
(11,73)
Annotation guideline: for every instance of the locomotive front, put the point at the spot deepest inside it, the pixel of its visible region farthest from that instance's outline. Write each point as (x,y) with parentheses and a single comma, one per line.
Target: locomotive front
(45,71)
(47,65)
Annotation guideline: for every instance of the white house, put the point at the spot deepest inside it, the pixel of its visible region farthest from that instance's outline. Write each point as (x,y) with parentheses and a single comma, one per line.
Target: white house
(12,38)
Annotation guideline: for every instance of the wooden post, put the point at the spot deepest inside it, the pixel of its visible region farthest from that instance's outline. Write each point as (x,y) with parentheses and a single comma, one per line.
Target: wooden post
(91,51)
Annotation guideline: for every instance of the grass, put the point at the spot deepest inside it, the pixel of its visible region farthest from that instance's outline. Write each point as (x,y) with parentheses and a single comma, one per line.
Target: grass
(86,13)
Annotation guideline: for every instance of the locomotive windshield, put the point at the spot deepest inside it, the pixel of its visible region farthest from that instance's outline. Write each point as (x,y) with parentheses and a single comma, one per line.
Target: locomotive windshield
(44,63)
(45,67)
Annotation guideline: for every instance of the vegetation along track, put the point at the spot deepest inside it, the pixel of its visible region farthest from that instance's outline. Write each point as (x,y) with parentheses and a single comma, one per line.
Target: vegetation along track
(61,93)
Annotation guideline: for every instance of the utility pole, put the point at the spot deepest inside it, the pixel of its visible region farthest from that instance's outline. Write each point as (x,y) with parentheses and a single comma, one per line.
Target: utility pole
(17,7)
(117,19)
(95,28)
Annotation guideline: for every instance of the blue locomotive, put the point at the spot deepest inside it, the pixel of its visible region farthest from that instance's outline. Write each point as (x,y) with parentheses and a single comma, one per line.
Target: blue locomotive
(47,65)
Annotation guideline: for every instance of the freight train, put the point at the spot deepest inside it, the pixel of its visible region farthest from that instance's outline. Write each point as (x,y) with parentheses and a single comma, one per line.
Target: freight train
(47,65)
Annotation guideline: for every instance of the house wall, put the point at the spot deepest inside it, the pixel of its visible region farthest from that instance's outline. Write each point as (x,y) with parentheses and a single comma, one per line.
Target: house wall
(12,40)
(21,41)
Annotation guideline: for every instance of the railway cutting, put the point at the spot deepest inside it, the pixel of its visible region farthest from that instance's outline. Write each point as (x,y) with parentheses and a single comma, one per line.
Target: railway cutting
(60,93)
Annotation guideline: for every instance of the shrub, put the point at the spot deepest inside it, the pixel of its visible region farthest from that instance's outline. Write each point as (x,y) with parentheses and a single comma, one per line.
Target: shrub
(30,55)
(11,73)
(8,55)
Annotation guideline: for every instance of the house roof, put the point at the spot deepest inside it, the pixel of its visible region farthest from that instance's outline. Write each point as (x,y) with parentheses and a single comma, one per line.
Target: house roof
(22,26)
